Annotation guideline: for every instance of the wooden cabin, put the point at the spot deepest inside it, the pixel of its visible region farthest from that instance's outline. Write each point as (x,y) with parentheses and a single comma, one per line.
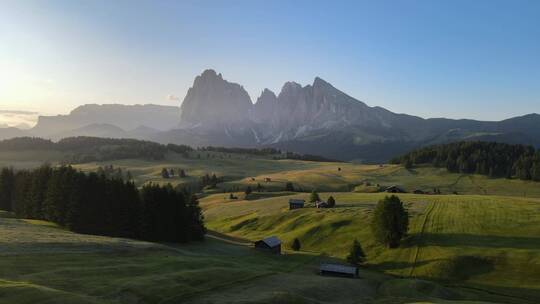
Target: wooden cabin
(270,244)
(338,270)
(296,204)
(395,189)
(321,205)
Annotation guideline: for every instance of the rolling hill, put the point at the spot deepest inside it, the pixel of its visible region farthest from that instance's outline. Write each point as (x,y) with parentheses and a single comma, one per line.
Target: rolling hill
(41,262)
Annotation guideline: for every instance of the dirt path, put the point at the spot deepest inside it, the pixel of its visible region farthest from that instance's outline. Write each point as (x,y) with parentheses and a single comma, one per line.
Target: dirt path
(228,239)
(427,214)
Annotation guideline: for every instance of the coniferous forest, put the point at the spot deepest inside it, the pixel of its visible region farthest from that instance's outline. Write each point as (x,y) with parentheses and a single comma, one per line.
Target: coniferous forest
(486,158)
(96,204)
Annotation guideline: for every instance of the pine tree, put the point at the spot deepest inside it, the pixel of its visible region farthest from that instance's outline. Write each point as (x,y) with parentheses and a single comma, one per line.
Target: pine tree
(289,187)
(165,173)
(390,221)
(7,185)
(331,202)
(248,191)
(356,255)
(296,244)
(314,197)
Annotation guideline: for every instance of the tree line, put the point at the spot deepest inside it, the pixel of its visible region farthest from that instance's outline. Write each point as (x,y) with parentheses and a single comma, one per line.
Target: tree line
(486,158)
(83,149)
(96,204)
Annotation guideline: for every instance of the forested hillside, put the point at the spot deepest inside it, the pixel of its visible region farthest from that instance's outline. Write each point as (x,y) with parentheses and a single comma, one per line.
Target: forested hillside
(486,158)
(95,204)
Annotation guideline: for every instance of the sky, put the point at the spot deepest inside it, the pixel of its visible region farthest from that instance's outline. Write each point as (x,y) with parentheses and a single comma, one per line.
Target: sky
(458,59)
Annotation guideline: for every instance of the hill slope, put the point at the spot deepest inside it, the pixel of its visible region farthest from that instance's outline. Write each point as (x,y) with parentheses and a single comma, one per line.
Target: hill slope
(43,263)
(484,242)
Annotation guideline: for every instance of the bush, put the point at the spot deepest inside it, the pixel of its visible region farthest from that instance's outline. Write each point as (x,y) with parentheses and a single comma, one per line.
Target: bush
(390,221)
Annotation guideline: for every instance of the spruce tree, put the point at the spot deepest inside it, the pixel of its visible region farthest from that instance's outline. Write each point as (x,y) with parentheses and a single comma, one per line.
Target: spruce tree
(296,244)
(314,197)
(289,187)
(390,221)
(331,202)
(7,185)
(356,254)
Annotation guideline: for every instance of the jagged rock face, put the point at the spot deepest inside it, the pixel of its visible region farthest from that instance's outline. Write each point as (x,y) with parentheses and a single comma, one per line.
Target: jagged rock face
(212,102)
(264,110)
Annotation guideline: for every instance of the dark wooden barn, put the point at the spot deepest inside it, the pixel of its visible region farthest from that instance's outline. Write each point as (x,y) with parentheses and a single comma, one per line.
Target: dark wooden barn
(296,204)
(395,189)
(338,270)
(270,244)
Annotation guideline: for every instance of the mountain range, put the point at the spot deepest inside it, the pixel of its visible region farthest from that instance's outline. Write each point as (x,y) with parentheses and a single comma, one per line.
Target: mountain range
(313,119)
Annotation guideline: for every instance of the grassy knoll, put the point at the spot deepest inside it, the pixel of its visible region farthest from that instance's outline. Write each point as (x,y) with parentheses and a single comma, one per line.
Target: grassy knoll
(485,242)
(42,263)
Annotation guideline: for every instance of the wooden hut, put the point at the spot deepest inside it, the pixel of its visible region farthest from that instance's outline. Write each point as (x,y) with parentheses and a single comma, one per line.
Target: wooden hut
(338,270)
(321,205)
(270,244)
(395,189)
(296,204)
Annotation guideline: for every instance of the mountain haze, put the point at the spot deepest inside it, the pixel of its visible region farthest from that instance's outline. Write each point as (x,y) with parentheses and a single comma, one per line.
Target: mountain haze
(314,119)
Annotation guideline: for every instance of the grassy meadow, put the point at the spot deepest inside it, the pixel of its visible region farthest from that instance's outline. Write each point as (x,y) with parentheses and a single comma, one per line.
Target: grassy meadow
(42,263)
(486,242)
(481,244)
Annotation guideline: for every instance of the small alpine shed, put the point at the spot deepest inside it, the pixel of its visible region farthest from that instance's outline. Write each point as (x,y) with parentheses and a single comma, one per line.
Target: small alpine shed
(296,203)
(270,244)
(338,270)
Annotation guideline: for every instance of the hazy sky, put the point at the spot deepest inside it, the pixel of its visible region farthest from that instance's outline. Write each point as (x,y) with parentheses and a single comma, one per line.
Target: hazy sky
(474,59)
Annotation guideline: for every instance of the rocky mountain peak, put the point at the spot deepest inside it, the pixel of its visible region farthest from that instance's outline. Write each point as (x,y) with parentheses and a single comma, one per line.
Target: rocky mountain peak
(321,83)
(265,107)
(213,101)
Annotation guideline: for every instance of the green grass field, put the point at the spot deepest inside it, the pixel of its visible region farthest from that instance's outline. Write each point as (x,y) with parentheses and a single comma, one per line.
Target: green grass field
(485,242)
(482,244)
(42,263)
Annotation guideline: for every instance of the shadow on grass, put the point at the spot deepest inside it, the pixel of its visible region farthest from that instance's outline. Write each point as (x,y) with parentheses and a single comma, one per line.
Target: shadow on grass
(472,240)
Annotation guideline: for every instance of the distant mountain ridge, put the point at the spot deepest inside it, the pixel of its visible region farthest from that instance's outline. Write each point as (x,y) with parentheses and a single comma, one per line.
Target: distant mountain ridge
(125,117)
(320,119)
(313,119)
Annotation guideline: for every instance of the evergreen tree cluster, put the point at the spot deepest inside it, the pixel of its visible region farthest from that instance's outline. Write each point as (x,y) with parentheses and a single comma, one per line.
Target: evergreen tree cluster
(210,181)
(486,158)
(96,204)
(250,151)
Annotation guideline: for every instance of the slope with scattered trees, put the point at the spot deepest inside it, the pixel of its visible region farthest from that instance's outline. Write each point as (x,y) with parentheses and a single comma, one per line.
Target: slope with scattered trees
(485,158)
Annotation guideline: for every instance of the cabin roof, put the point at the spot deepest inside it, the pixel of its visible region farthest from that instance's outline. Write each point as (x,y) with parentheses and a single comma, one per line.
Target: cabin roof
(271,241)
(295,201)
(338,268)
(394,187)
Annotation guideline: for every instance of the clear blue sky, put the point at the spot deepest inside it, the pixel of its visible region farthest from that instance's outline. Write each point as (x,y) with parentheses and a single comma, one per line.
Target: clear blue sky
(460,59)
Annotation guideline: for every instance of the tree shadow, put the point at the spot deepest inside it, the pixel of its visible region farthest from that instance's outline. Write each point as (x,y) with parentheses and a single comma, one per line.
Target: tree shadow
(472,240)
